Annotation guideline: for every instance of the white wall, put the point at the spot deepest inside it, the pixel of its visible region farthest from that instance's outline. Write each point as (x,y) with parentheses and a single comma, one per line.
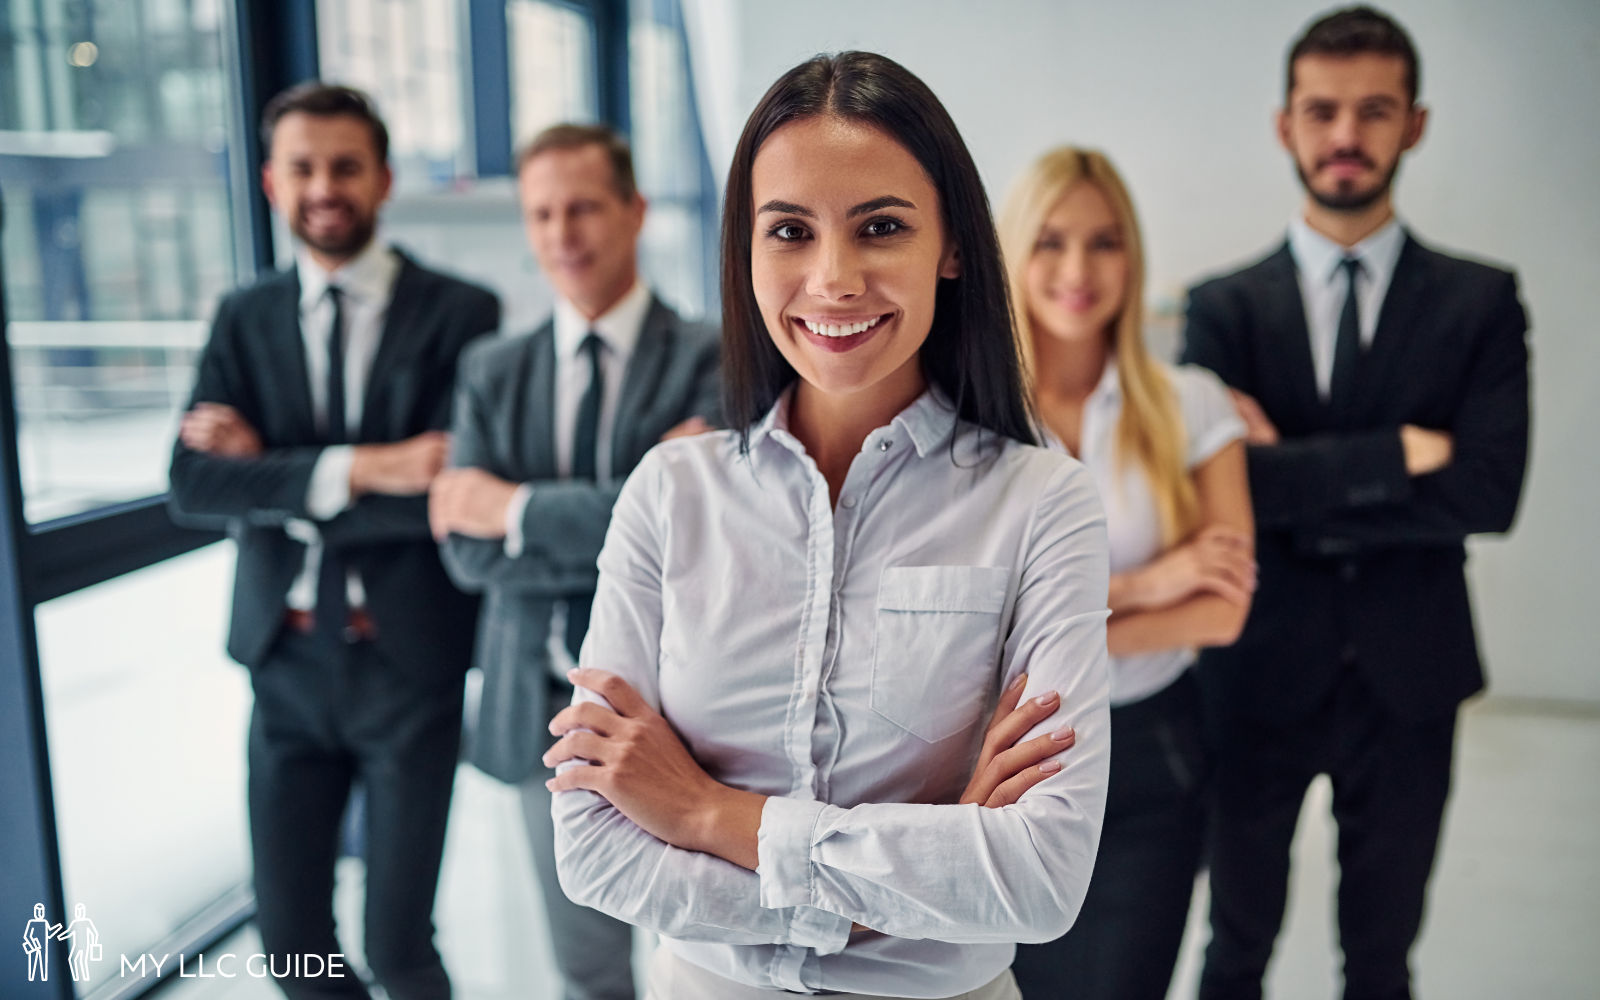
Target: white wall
(1180,95)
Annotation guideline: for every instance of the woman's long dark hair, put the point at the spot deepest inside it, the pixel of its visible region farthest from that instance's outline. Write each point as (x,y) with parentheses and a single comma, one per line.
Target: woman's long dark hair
(971,351)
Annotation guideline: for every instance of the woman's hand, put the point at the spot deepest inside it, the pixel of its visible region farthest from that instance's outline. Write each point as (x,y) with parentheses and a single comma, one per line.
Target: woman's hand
(1006,768)
(640,766)
(1219,560)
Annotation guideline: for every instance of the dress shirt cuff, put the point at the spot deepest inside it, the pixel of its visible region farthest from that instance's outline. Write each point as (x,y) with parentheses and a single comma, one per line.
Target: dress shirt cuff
(302,531)
(329,490)
(783,864)
(515,510)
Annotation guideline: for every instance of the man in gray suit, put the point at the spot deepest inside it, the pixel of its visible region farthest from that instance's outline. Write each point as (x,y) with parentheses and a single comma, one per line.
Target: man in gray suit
(547,426)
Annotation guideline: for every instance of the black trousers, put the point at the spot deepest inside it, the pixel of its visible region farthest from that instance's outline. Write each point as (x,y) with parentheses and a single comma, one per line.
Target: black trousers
(1390,779)
(1125,941)
(329,714)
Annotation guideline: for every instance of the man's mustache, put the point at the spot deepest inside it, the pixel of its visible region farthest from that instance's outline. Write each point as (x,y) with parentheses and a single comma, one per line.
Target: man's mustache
(339,203)
(1347,156)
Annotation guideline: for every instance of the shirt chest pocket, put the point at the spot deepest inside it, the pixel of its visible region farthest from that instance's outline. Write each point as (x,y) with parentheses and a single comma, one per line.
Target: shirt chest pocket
(936,639)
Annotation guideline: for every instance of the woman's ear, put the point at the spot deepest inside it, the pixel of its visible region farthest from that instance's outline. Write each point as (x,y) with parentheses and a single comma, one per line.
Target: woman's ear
(950,265)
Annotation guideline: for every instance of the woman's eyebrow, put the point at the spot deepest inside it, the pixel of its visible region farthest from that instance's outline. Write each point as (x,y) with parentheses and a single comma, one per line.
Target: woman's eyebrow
(876,204)
(887,201)
(787,208)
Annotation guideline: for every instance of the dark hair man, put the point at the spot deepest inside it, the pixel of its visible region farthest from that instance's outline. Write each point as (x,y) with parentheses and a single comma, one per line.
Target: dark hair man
(547,426)
(1386,389)
(317,425)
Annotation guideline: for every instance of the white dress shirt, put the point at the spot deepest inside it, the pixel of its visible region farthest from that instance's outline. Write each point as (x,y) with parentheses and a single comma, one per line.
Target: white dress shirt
(367,283)
(1133,525)
(845,661)
(1323,286)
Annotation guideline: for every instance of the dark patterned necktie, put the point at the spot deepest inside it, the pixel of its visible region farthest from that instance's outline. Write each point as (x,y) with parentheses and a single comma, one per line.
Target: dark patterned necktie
(1347,348)
(585,449)
(333,598)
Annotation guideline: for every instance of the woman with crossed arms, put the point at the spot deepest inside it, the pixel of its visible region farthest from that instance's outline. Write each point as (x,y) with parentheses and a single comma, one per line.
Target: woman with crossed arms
(794,751)
(1165,446)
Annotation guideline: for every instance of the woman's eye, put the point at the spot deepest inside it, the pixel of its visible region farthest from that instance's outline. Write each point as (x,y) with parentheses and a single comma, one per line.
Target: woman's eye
(787,231)
(883,227)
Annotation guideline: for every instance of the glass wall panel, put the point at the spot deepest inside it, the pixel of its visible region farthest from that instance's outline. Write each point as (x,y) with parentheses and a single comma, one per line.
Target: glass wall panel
(115,126)
(409,55)
(552,67)
(668,156)
(146,721)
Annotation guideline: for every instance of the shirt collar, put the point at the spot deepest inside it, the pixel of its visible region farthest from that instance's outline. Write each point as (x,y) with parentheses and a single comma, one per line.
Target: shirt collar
(619,327)
(1109,388)
(928,421)
(368,276)
(1319,257)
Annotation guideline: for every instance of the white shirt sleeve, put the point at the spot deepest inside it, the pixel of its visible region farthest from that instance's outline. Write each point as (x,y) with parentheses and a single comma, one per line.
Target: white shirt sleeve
(607,862)
(329,490)
(514,514)
(909,870)
(1209,419)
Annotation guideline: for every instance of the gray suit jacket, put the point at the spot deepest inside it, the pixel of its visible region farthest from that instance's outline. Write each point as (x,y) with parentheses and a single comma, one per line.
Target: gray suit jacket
(503,424)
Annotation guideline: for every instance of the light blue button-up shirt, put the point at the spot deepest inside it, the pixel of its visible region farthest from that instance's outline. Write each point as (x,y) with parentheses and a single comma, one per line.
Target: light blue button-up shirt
(1323,286)
(845,661)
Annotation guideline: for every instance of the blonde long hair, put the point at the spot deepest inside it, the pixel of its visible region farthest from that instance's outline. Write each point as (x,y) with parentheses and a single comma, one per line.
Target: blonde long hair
(1150,432)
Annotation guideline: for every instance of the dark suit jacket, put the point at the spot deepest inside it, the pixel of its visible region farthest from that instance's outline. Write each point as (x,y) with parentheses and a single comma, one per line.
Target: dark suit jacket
(255,362)
(503,424)
(1361,566)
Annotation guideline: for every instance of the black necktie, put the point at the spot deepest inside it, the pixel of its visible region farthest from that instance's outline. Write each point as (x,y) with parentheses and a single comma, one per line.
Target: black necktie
(585,446)
(333,611)
(1347,348)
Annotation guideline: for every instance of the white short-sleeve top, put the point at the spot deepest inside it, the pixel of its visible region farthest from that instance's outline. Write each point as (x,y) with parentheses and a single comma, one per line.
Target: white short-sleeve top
(1210,423)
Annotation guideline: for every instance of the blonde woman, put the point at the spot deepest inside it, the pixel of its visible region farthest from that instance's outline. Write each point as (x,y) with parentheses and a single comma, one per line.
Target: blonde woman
(1165,447)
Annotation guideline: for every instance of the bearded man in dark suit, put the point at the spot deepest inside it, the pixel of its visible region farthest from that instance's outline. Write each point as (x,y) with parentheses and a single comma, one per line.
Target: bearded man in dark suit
(1385,386)
(316,427)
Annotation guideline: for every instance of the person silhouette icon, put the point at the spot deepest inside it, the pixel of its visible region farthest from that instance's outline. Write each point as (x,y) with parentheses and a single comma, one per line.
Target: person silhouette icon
(85,944)
(36,935)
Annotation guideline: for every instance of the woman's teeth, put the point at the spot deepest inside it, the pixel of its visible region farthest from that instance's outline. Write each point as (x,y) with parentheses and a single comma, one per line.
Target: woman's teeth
(834,330)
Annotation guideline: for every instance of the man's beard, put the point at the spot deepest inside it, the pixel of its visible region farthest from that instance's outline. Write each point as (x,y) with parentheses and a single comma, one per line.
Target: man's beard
(343,245)
(1345,197)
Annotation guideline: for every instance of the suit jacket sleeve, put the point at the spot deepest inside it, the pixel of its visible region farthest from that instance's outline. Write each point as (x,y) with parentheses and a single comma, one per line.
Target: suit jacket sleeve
(1348,492)
(565,521)
(376,518)
(267,488)
(1299,482)
(572,514)
(1479,490)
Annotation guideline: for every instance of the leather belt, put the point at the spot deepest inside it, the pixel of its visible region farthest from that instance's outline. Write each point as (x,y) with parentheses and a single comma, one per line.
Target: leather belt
(358,627)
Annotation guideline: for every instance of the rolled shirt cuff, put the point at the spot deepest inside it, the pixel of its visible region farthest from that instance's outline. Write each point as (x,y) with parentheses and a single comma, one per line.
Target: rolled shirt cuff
(329,489)
(783,864)
(515,510)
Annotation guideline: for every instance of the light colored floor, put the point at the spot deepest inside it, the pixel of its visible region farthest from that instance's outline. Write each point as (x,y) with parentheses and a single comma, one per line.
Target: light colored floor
(1515,907)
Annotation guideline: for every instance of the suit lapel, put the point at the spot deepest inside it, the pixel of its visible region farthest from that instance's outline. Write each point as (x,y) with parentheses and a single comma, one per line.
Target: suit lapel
(396,345)
(1397,315)
(639,382)
(1286,312)
(539,421)
(283,324)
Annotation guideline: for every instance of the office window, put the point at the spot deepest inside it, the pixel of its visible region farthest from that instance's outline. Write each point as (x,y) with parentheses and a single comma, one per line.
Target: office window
(679,242)
(115,126)
(410,56)
(552,66)
(146,720)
